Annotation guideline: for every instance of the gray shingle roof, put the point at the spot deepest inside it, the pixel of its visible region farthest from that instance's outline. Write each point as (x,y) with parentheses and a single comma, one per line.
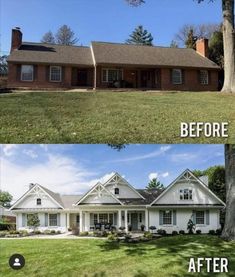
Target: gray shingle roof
(69,200)
(52,54)
(123,54)
(55,196)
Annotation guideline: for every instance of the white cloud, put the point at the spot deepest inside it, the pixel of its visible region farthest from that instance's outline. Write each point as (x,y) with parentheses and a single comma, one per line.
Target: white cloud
(30,153)
(57,173)
(153,175)
(9,149)
(183,157)
(165,174)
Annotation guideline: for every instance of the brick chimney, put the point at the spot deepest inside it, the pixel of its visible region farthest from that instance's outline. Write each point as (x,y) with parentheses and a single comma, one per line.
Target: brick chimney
(202,47)
(16,38)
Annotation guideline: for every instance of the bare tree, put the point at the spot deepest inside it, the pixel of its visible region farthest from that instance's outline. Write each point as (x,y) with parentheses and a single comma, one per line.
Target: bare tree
(66,36)
(48,38)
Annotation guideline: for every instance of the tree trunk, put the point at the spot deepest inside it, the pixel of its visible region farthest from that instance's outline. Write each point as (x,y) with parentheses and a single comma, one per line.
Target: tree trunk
(229,227)
(229,45)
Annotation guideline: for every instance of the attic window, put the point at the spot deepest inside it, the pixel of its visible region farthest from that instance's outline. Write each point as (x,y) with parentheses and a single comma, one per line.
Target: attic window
(186,194)
(39,201)
(116,191)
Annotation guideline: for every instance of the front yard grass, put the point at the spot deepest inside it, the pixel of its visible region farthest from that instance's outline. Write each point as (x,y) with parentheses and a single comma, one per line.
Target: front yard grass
(111,117)
(167,256)
(164,257)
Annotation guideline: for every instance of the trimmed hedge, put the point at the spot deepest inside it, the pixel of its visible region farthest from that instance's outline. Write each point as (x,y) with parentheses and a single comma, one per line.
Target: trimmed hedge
(7,226)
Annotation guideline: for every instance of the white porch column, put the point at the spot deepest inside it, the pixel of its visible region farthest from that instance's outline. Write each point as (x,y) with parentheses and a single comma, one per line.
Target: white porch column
(68,220)
(80,221)
(146,220)
(126,223)
(119,218)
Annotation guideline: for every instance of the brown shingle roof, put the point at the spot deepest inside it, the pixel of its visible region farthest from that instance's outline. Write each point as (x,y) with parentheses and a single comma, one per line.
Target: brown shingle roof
(52,54)
(123,54)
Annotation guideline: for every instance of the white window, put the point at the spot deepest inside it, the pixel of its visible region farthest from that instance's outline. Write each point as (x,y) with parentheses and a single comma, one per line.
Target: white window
(27,73)
(177,76)
(204,77)
(103,218)
(186,194)
(55,73)
(167,217)
(52,219)
(200,217)
(111,75)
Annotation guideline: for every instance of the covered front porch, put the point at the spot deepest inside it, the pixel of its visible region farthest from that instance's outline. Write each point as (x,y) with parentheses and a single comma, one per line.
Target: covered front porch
(91,220)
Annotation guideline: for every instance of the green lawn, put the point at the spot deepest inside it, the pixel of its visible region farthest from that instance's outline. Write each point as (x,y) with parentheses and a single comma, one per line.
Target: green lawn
(110,117)
(164,257)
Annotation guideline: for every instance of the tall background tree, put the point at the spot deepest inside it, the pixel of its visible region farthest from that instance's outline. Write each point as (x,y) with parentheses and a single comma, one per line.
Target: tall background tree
(3,65)
(154,184)
(229,228)
(48,38)
(64,36)
(5,198)
(140,36)
(228,38)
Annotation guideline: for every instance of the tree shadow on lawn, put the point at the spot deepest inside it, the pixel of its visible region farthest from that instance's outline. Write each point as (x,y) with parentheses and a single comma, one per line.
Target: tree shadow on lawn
(177,250)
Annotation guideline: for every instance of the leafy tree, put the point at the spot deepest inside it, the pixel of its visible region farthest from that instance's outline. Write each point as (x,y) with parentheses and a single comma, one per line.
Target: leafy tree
(5,198)
(65,36)
(140,36)
(48,38)
(229,228)
(3,65)
(117,147)
(33,221)
(216,178)
(154,184)
(216,48)
(228,37)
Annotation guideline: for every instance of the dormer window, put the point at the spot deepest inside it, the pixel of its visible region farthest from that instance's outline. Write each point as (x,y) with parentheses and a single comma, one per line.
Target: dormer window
(116,191)
(186,194)
(39,201)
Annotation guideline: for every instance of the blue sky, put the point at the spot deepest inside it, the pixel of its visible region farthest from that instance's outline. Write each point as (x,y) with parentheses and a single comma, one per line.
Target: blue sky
(103,20)
(73,169)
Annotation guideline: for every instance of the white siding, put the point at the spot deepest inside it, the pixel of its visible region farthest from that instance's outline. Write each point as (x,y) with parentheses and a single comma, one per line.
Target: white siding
(200,195)
(95,199)
(182,218)
(31,202)
(124,190)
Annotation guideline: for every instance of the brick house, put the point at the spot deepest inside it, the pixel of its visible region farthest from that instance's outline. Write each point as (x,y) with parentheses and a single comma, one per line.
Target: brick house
(110,65)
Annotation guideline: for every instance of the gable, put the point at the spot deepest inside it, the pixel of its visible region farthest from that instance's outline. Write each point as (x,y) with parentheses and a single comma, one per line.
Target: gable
(29,200)
(125,189)
(201,194)
(99,195)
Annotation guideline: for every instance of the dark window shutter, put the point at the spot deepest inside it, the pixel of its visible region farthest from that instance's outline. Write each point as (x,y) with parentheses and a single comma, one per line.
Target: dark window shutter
(47,73)
(183,75)
(174,217)
(35,72)
(171,76)
(62,74)
(209,77)
(23,220)
(58,219)
(46,219)
(160,217)
(207,217)
(198,76)
(18,72)
(115,219)
(194,217)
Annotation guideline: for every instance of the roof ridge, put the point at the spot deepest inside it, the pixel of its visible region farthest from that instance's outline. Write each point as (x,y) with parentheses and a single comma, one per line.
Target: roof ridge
(54,44)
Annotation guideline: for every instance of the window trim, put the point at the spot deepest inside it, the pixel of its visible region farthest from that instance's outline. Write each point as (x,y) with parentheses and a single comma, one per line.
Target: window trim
(207,77)
(204,218)
(107,75)
(56,81)
(181,76)
(117,190)
(39,204)
(167,224)
(21,73)
(97,215)
(49,220)
(182,194)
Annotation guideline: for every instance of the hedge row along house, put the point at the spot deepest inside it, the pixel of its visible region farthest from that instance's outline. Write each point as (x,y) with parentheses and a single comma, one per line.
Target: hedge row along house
(110,65)
(116,203)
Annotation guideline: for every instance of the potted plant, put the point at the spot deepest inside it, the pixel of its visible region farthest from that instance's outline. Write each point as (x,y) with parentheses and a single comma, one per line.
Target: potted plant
(142,227)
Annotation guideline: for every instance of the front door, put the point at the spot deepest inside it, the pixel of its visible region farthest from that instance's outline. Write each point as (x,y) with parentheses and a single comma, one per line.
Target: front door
(134,221)
(82,77)
(147,78)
